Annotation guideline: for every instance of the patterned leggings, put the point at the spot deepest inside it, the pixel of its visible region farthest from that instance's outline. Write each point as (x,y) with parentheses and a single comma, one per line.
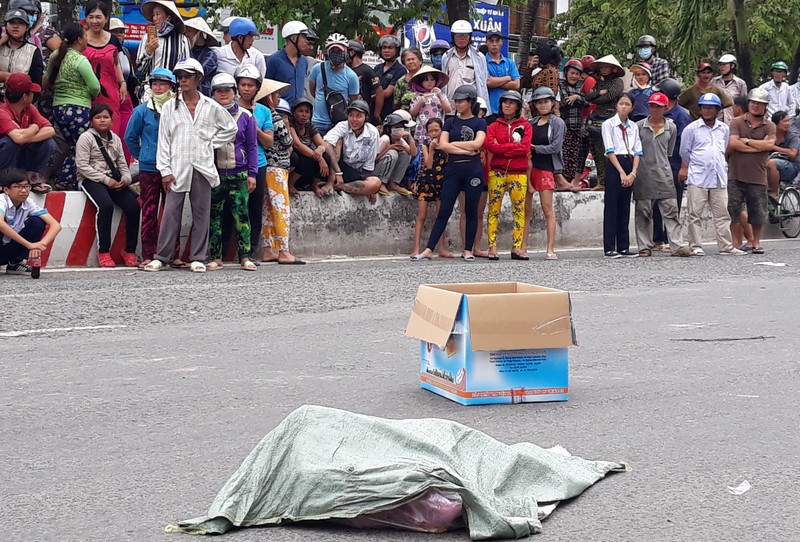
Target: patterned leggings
(72,121)
(231,191)
(517,185)
(276,209)
(572,154)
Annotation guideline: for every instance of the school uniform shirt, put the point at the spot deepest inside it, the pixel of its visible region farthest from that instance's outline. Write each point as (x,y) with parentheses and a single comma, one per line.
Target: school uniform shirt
(358,151)
(186,144)
(463,130)
(16,216)
(702,148)
(750,167)
(654,177)
(621,138)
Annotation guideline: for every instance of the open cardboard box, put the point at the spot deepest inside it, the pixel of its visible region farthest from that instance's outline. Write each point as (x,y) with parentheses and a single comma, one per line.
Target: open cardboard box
(502,342)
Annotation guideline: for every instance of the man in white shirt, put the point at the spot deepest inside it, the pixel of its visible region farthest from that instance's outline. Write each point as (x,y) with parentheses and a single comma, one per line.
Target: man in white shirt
(464,64)
(352,146)
(781,97)
(240,50)
(192,126)
(703,145)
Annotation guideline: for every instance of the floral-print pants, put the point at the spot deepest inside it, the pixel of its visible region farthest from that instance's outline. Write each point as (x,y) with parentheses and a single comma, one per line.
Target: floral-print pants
(72,121)
(517,185)
(231,193)
(276,209)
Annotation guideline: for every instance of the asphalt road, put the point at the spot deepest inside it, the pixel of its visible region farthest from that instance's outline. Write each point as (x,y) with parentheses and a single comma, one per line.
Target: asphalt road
(112,432)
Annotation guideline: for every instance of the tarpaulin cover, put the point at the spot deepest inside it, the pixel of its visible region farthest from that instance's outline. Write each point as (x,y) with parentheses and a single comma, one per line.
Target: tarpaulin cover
(323,463)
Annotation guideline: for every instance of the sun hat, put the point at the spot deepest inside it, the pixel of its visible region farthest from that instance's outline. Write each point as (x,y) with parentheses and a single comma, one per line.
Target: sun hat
(609,60)
(150,5)
(270,86)
(200,24)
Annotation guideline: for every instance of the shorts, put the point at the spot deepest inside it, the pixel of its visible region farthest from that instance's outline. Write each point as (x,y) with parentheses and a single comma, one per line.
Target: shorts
(786,169)
(542,180)
(351,174)
(754,196)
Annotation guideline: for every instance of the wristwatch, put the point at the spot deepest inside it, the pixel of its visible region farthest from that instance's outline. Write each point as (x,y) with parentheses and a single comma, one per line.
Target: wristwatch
(747,141)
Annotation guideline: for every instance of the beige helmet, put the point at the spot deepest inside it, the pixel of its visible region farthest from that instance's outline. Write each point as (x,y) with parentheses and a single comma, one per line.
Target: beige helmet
(758,95)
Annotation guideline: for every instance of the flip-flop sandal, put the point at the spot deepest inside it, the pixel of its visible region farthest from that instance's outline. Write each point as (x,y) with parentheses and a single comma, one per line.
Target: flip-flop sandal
(419,258)
(551,256)
(178,264)
(293,262)
(446,255)
(493,257)
(758,250)
(42,188)
(249,265)
(480,254)
(468,257)
(214,266)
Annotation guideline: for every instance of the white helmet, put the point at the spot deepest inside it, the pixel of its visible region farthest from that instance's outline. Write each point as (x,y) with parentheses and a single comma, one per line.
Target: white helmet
(226,23)
(336,39)
(248,71)
(188,65)
(293,27)
(222,80)
(461,27)
(727,59)
(482,104)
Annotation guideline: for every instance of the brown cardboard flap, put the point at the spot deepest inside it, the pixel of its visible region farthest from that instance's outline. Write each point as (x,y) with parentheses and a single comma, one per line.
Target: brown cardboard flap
(481,287)
(434,313)
(521,320)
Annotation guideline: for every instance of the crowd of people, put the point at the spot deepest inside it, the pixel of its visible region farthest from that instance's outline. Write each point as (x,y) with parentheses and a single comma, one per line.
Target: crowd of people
(240,134)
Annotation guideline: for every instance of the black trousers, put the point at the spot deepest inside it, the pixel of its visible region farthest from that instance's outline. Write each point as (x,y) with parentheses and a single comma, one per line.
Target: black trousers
(104,198)
(458,177)
(617,208)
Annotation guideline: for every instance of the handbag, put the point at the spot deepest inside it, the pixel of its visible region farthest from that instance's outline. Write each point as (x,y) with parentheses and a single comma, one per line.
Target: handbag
(335,102)
(115,173)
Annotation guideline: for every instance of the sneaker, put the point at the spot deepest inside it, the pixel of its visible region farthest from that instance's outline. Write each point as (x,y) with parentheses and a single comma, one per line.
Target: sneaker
(613,254)
(104,259)
(732,252)
(17,268)
(683,252)
(699,252)
(130,259)
(628,254)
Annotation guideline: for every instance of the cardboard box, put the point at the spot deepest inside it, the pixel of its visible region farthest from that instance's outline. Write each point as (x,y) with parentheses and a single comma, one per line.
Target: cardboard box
(503,342)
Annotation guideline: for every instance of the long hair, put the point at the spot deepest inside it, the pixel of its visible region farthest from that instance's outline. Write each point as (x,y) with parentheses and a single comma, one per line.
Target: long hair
(72,32)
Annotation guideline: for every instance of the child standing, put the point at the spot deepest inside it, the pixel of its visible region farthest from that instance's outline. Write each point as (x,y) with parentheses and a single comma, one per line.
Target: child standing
(22,226)
(623,149)
(276,205)
(429,186)
(104,176)
(237,164)
(429,101)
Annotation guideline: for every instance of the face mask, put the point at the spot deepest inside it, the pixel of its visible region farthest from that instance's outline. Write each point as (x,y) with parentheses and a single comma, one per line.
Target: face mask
(160,99)
(396,131)
(337,58)
(436,60)
(230,106)
(645,52)
(32,20)
(165,29)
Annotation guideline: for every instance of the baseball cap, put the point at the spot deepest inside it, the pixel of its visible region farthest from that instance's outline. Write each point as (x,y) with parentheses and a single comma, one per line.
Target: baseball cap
(16,14)
(658,98)
(21,82)
(703,66)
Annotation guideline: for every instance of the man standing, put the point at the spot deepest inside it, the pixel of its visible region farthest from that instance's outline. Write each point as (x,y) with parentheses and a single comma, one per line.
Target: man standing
(339,79)
(729,83)
(464,64)
(702,85)
(654,185)
(240,50)
(646,47)
(26,137)
(191,127)
(752,139)
(781,97)
(289,65)
(390,71)
(369,82)
(703,151)
(503,73)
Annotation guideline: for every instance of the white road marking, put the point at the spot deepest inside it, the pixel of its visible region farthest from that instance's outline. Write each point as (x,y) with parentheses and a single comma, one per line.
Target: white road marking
(26,332)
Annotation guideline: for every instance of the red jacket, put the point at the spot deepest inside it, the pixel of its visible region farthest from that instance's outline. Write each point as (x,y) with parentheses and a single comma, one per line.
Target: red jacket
(507,156)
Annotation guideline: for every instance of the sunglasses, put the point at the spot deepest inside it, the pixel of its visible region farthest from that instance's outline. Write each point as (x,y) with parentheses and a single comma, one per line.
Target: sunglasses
(184,75)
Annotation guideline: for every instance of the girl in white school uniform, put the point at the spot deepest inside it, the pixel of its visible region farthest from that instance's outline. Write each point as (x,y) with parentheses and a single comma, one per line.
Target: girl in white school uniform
(622,149)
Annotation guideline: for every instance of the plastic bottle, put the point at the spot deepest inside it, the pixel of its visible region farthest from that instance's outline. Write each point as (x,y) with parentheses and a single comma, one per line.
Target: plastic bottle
(36,266)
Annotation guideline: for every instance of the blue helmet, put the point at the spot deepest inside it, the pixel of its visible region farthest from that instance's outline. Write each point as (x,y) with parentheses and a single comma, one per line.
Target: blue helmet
(162,74)
(709,98)
(242,27)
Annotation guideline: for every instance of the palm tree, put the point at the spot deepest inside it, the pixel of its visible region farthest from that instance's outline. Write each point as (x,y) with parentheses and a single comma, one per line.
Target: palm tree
(526,32)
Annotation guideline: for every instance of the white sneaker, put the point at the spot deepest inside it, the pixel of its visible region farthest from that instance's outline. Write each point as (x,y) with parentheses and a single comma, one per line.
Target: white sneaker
(699,252)
(155,265)
(198,267)
(732,252)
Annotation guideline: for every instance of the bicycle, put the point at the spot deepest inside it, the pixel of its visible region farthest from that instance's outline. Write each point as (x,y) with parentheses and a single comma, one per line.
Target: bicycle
(785,211)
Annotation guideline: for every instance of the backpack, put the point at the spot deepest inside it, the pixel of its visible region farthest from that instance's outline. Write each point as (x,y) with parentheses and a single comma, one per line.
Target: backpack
(335,102)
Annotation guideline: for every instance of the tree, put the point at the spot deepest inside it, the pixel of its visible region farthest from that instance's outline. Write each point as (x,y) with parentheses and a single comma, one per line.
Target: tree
(457,9)
(693,30)
(527,31)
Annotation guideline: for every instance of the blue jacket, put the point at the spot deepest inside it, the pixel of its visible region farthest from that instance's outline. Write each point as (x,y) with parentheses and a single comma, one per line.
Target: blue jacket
(141,136)
(208,59)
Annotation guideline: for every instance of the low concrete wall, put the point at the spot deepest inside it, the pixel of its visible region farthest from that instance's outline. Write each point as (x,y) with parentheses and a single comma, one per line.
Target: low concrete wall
(342,225)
